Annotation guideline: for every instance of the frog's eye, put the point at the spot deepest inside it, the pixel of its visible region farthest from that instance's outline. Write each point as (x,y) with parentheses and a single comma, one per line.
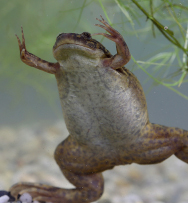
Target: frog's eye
(59,36)
(86,35)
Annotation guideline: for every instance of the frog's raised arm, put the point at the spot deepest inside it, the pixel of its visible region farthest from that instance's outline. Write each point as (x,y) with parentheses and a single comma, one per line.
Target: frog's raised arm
(33,60)
(123,55)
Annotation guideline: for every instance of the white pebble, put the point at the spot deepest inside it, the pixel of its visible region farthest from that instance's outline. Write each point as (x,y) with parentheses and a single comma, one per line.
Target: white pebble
(26,197)
(4,198)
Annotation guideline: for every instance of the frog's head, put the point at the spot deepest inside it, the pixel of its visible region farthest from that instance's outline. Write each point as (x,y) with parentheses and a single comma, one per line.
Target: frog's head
(71,44)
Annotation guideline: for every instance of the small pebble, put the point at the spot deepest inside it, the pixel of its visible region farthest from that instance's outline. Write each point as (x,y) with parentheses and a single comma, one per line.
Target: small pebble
(26,197)
(4,199)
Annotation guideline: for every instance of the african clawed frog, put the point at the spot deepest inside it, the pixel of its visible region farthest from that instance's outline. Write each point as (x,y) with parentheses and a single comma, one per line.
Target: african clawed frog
(105,112)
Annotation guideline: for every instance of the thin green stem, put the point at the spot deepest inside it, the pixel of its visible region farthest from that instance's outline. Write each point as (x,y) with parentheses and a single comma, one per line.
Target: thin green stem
(169,86)
(171,38)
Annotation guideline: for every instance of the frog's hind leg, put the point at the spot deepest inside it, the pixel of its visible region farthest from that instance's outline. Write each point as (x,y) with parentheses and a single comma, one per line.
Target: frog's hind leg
(157,143)
(183,153)
(88,189)
(77,165)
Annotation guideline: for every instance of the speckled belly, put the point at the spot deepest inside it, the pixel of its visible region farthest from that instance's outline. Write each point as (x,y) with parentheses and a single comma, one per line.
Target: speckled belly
(98,107)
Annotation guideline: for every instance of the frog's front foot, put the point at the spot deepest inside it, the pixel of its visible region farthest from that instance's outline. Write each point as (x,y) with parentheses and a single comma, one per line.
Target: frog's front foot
(34,61)
(25,56)
(113,35)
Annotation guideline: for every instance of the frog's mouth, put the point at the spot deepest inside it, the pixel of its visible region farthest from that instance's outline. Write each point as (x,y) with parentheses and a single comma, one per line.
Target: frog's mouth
(82,42)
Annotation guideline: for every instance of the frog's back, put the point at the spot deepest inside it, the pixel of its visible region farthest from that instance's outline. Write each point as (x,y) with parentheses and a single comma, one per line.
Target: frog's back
(102,106)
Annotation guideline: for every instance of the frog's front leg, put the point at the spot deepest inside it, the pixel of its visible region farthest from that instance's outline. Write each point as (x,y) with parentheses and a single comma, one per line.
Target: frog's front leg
(123,55)
(33,60)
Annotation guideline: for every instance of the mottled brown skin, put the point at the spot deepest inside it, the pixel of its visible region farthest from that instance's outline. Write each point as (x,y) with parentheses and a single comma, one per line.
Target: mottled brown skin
(105,112)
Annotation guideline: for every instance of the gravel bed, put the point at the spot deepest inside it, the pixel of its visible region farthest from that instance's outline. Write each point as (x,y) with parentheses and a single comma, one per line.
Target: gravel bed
(27,155)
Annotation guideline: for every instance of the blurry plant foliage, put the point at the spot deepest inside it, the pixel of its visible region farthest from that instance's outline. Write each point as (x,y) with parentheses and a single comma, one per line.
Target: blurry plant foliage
(162,15)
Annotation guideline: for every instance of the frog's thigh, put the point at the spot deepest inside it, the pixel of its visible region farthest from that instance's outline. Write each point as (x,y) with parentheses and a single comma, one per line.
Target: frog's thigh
(81,159)
(156,144)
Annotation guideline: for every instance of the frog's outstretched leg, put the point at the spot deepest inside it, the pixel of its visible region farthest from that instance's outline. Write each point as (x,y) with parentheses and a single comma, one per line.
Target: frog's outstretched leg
(88,189)
(80,169)
(34,61)
(157,143)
